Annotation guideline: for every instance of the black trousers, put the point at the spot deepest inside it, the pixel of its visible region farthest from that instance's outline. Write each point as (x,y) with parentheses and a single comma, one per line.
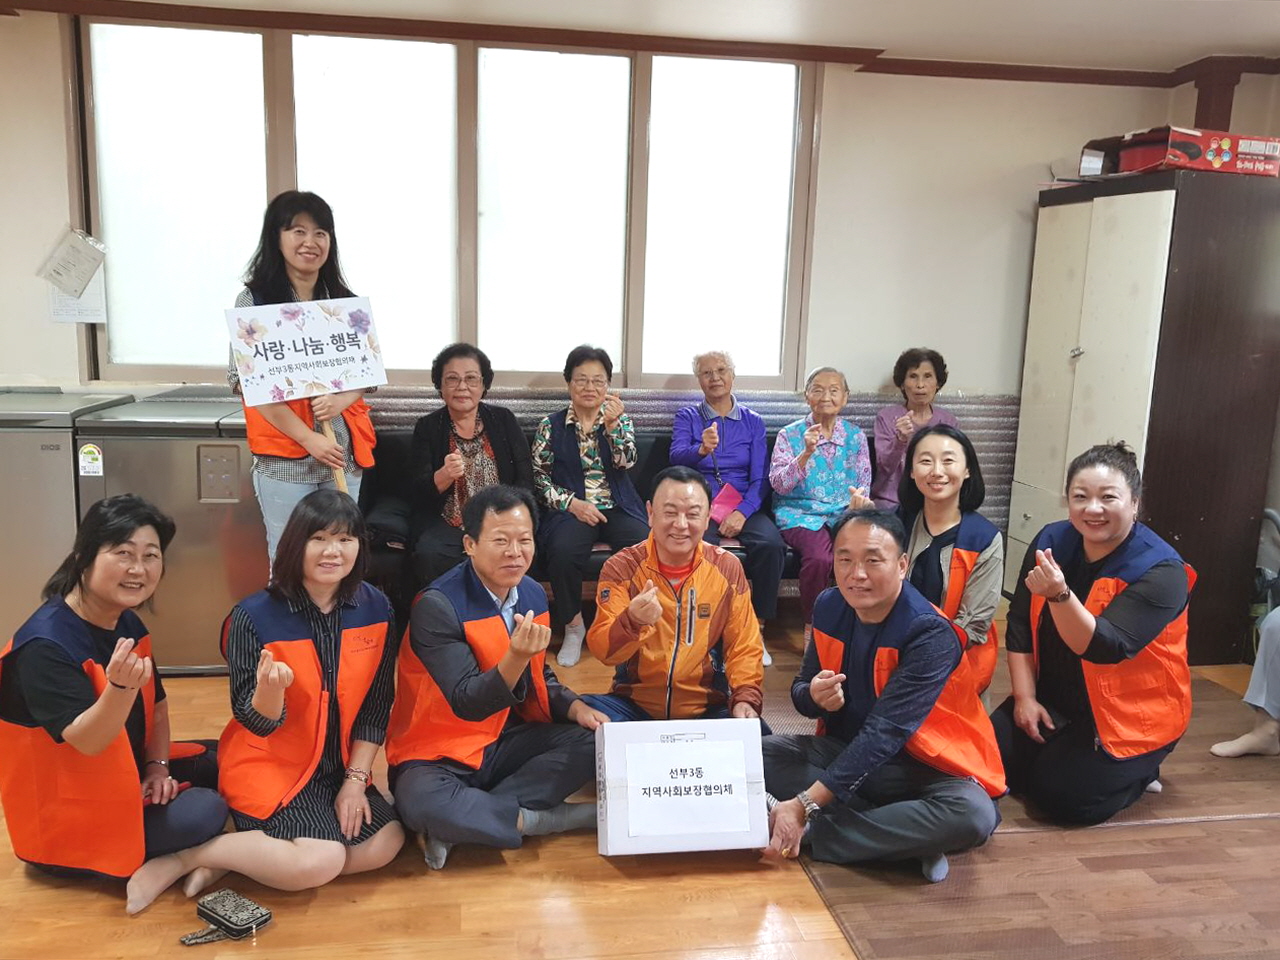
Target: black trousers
(438,550)
(1069,777)
(567,547)
(766,555)
(531,765)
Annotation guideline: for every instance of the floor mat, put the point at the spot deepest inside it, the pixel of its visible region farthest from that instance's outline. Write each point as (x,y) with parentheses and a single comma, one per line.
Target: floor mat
(1186,873)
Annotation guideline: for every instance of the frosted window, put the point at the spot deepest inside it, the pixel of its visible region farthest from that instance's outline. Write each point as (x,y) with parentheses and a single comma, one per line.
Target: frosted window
(553,142)
(376,124)
(721,148)
(180,147)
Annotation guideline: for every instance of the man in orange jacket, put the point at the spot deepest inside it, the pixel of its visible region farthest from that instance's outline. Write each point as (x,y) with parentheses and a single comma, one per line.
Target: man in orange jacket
(907,762)
(674,615)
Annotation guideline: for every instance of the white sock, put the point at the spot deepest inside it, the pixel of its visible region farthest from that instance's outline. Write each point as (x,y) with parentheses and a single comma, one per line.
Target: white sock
(561,817)
(1155,786)
(767,660)
(571,648)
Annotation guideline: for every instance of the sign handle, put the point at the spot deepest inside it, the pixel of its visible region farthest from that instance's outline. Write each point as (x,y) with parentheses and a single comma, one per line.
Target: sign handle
(339,476)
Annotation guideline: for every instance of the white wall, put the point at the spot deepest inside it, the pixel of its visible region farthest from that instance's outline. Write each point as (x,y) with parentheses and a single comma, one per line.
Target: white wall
(1256,107)
(35,199)
(925,215)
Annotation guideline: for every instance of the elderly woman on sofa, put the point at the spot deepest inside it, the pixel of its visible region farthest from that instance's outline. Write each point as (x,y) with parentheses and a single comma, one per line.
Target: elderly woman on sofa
(725,441)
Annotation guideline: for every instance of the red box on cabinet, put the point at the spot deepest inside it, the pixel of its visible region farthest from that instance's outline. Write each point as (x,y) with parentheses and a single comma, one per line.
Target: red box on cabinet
(1163,148)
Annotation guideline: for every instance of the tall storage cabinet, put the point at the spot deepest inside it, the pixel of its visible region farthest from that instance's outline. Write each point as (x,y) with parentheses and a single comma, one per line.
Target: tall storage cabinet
(1155,319)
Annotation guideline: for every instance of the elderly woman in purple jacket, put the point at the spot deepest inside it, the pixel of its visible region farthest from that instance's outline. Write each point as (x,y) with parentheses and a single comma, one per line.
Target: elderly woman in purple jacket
(726,443)
(919,374)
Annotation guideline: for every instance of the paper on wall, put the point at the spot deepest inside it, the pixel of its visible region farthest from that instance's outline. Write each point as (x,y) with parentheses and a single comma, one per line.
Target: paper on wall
(73,263)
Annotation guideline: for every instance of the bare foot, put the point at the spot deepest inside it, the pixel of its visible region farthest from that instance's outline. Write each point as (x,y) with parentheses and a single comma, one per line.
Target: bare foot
(201,878)
(152,879)
(1257,741)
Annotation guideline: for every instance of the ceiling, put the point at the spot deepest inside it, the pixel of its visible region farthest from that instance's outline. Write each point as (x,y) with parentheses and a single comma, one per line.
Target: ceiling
(1119,34)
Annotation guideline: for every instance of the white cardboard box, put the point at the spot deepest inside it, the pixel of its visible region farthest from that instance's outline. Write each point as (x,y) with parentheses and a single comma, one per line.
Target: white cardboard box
(665,786)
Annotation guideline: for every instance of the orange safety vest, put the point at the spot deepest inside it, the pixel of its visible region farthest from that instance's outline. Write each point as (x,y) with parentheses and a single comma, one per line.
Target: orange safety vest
(975,535)
(423,725)
(267,441)
(259,775)
(956,737)
(1143,703)
(65,808)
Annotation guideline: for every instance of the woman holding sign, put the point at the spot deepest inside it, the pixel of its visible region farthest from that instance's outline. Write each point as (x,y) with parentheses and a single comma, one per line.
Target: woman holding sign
(312,663)
(725,442)
(820,468)
(90,781)
(301,445)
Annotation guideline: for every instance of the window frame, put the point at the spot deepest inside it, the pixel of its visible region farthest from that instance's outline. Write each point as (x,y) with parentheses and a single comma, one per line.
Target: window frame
(281,165)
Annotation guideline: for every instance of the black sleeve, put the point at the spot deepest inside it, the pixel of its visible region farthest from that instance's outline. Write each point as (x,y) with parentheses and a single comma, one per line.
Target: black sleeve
(425,458)
(243,650)
(1017,635)
(155,679)
(1138,615)
(55,689)
(559,697)
(438,641)
(801,699)
(371,720)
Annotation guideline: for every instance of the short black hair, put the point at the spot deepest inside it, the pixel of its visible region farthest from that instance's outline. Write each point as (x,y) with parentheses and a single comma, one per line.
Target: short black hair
(911,358)
(886,520)
(452,352)
(108,523)
(1117,455)
(680,475)
(585,353)
(499,498)
(972,492)
(318,510)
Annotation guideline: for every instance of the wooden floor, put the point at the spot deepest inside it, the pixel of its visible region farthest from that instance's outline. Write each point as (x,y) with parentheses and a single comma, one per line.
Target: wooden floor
(554,898)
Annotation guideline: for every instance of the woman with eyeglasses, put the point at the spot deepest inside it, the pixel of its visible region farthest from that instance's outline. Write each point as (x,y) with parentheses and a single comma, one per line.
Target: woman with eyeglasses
(820,468)
(581,456)
(457,451)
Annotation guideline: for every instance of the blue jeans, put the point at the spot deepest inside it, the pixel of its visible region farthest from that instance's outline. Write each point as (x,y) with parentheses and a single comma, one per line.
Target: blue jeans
(622,709)
(277,498)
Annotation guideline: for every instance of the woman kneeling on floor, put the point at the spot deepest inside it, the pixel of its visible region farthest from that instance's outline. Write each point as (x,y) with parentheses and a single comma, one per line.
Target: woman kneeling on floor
(90,782)
(1097,644)
(312,660)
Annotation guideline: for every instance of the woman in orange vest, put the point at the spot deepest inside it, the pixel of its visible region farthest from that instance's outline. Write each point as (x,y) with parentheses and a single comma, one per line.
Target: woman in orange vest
(312,662)
(88,777)
(297,260)
(1097,643)
(956,554)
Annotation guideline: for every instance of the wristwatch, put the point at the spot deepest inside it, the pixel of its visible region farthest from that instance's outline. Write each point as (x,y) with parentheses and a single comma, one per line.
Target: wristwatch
(811,808)
(1063,597)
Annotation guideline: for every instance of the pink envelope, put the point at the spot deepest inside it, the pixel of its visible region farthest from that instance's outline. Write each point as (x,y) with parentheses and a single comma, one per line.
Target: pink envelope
(725,503)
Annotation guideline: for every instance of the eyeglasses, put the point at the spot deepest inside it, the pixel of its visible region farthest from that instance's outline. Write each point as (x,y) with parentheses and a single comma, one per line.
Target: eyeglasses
(453,381)
(582,383)
(819,392)
(718,372)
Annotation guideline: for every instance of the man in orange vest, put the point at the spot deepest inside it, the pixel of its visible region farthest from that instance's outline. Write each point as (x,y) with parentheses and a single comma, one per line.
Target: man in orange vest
(906,758)
(484,743)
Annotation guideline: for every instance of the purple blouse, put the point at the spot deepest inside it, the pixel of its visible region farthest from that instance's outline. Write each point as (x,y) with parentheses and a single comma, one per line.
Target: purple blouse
(891,451)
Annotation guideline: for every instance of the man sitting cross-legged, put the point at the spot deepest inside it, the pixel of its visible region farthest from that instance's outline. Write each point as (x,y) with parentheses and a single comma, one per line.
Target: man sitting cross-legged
(905,763)
(674,614)
(484,743)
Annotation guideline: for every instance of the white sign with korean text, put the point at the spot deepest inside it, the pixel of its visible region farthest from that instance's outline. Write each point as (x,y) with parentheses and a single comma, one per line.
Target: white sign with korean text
(695,786)
(293,351)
